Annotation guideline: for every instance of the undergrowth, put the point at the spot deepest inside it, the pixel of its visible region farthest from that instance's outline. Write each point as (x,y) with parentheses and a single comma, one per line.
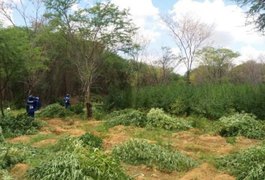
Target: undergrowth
(70,160)
(241,124)
(247,164)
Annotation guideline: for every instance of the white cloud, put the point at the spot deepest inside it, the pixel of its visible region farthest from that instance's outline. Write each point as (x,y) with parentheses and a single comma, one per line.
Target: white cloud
(5,22)
(249,53)
(144,14)
(229,21)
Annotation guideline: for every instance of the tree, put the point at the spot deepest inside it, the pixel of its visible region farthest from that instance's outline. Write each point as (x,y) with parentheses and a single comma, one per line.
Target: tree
(217,62)
(256,12)
(168,62)
(189,35)
(32,21)
(249,72)
(91,33)
(15,58)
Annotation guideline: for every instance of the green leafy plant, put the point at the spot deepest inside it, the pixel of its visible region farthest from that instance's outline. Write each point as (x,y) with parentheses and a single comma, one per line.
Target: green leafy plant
(77,108)
(19,125)
(91,140)
(55,110)
(246,164)
(13,154)
(4,175)
(158,118)
(241,124)
(127,117)
(72,161)
(2,139)
(141,152)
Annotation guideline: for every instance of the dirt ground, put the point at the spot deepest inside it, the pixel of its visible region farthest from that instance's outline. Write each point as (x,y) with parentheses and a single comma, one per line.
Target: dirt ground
(188,142)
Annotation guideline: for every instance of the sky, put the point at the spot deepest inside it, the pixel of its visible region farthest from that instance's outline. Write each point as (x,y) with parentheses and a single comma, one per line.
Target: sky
(228,19)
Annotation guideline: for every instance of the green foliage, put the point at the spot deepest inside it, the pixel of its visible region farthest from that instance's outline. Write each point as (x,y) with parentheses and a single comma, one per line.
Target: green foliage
(91,140)
(157,118)
(141,152)
(241,124)
(77,108)
(4,175)
(98,111)
(209,100)
(160,96)
(12,154)
(213,101)
(71,161)
(55,110)
(19,125)
(2,139)
(126,117)
(247,164)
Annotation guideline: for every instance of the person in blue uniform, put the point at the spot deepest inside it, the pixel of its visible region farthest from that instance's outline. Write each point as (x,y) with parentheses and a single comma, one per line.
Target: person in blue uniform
(67,101)
(37,103)
(31,106)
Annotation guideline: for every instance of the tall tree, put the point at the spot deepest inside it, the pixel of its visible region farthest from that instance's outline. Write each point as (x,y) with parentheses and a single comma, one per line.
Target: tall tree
(256,12)
(249,72)
(190,35)
(217,62)
(168,62)
(91,32)
(15,58)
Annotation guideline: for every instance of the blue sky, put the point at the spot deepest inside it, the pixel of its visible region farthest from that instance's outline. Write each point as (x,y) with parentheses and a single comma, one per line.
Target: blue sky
(229,21)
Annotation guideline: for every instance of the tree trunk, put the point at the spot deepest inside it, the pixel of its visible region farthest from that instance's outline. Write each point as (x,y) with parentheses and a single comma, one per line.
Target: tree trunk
(188,77)
(88,103)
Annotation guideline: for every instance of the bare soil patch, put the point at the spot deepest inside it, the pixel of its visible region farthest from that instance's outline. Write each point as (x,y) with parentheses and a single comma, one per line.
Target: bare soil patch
(20,139)
(117,135)
(146,173)
(192,143)
(19,171)
(206,172)
(45,142)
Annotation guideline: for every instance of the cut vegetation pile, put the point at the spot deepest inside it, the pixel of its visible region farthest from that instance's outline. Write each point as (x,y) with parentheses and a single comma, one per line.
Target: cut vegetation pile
(126,117)
(18,125)
(241,125)
(138,152)
(158,118)
(247,164)
(55,110)
(71,160)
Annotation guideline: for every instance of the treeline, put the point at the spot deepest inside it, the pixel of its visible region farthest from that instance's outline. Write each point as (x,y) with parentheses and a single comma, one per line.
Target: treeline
(122,83)
(76,52)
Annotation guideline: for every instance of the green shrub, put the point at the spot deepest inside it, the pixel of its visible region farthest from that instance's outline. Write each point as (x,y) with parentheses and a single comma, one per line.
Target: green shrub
(55,110)
(12,154)
(157,118)
(247,164)
(71,161)
(138,152)
(2,139)
(126,117)
(77,108)
(209,100)
(4,175)
(91,140)
(98,111)
(19,125)
(213,101)
(241,124)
